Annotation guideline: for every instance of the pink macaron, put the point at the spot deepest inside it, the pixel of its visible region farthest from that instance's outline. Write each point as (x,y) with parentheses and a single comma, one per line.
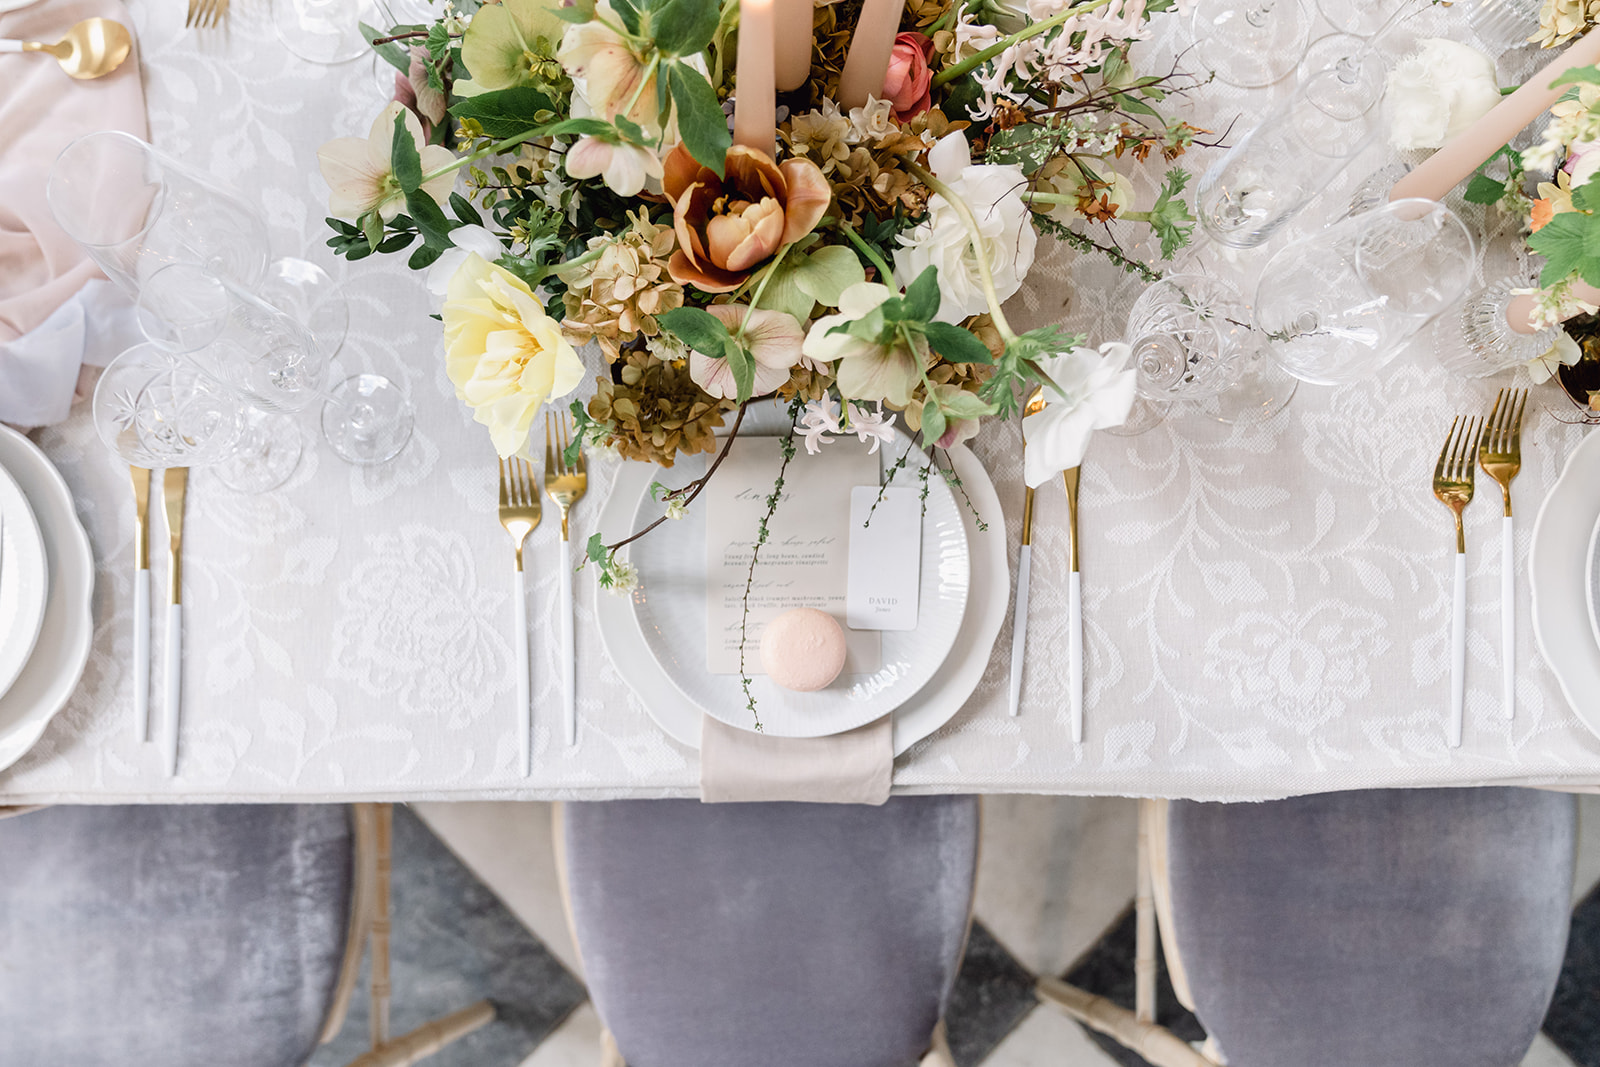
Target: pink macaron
(803,650)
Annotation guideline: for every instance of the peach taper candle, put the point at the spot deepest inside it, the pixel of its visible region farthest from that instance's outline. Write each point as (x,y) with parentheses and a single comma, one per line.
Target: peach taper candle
(755,104)
(1467,150)
(793,43)
(870,46)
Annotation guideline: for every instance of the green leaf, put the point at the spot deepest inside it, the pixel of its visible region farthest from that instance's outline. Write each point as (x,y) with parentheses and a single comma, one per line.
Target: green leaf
(372,227)
(933,421)
(424,257)
(826,273)
(743,366)
(430,220)
(701,123)
(396,243)
(628,14)
(1586,197)
(404,157)
(392,53)
(596,550)
(506,112)
(1578,76)
(922,297)
(700,330)
(1483,189)
(960,404)
(684,27)
(462,208)
(955,344)
(577,13)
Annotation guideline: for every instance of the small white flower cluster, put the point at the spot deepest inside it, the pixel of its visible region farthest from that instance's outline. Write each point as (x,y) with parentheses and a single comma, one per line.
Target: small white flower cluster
(618,577)
(822,418)
(1574,126)
(869,124)
(1079,43)
(1553,305)
(455,23)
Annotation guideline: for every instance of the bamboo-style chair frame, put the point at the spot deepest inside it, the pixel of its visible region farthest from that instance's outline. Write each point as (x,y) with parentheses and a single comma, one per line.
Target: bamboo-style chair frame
(1137,1030)
(938,1054)
(373,862)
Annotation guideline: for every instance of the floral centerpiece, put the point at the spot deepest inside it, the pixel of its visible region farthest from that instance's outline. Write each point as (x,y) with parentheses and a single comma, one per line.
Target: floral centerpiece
(627,176)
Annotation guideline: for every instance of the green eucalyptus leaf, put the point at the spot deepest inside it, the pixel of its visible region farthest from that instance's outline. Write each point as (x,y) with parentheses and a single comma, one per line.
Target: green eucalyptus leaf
(701,123)
(424,257)
(462,208)
(430,219)
(404,157)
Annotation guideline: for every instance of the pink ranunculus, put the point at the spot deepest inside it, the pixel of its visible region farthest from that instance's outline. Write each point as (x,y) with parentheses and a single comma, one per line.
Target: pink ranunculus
(907,83)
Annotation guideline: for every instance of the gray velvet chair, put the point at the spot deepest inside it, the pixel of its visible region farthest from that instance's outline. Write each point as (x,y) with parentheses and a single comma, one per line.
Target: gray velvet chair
(224,936)
(784,935)
(1423,928)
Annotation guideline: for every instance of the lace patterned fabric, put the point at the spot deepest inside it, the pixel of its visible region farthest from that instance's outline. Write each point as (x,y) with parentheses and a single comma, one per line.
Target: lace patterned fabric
(1266,610)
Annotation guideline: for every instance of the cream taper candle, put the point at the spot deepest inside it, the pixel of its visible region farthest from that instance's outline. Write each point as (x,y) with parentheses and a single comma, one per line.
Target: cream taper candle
(793,43)
(1467,150)
(755,104)
(867,64)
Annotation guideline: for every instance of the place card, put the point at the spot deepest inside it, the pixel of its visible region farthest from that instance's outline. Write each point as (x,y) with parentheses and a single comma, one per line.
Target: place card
(805,562)
(885,558)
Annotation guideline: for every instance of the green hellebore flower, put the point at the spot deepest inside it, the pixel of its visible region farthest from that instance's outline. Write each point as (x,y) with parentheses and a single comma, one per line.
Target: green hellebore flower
(510,44)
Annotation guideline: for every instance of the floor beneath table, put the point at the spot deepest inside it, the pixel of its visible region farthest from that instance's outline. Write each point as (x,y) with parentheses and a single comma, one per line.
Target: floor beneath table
(482,917)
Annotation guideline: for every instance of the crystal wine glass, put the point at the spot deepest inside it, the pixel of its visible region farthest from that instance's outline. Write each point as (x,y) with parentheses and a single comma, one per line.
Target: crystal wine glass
(154,410)
(271,359)
(1276,169)
(1340,304)
(1251,43)
(1474,338)
(1193,344)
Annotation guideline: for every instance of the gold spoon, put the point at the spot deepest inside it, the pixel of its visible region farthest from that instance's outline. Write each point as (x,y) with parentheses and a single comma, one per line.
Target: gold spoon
(91,49)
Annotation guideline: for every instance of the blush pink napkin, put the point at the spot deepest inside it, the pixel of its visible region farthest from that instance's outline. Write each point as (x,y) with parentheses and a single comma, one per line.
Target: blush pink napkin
(41,268)
(854,767)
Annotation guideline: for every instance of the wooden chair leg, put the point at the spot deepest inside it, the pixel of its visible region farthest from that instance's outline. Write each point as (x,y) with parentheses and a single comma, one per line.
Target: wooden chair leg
(939,1054)
(1155,1043)
(381,987)
(1144,906)
(610,1055)
(428,1038)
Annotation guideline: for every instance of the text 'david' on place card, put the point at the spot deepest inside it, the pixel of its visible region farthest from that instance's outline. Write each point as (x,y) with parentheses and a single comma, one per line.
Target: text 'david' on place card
(805,562)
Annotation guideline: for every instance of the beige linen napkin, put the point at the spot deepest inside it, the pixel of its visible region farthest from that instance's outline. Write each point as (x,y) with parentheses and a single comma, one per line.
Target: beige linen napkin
(849,768)
(41,268)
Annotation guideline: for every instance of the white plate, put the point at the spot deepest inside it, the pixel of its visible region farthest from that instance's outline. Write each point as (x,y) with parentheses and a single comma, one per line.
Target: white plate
(1593,582)
(919,717)
(58,659)
(670,607)
(24,580)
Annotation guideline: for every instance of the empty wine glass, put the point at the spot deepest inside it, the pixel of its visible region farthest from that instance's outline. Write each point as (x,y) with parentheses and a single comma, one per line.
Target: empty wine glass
(325,31)
(271,359)
(1359,18)
(135,210)
(1250,43)
(1276,169)
(154,410)
(1338,305)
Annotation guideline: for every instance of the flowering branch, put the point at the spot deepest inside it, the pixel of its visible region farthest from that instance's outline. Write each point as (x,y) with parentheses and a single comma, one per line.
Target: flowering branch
(974,61)
(692,489)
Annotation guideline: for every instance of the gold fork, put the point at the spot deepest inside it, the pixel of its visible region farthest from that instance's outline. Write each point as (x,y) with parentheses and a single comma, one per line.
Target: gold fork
(1500,455)
(566,483)
(1452,484)
(206,13)
(519,514)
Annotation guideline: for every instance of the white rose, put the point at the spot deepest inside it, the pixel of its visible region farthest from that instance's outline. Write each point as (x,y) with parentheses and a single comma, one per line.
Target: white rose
(994,195)
(1438,91)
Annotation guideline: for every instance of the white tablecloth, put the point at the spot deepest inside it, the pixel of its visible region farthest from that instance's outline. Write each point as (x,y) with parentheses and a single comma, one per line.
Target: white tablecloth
(1266,610)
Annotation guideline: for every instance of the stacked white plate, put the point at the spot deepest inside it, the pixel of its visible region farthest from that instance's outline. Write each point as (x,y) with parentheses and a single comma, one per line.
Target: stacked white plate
(657,638)
(46,585)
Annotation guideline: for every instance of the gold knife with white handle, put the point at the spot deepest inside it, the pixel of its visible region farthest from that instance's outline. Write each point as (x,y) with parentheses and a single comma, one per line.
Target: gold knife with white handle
(141,602)
(174,484)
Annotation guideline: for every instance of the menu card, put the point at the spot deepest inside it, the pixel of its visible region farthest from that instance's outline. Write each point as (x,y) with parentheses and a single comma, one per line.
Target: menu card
(805,562)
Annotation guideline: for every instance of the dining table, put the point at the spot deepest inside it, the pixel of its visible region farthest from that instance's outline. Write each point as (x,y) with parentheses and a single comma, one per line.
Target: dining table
(1266,605)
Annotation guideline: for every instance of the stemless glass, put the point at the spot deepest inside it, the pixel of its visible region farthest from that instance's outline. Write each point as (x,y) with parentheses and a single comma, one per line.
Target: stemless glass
(1474,338)
(1338,305)
(1300,147)
(1251,43)
(134,211)
(272,360)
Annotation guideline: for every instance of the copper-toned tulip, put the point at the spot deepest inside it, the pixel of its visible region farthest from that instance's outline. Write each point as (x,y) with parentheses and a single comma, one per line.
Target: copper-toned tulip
(728,227)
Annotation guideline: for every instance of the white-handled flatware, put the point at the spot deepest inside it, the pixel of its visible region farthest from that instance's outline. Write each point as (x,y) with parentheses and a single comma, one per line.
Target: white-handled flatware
(1500,455)
(519,514)
(566,481)
(174,486)
(1452,484)
(1019,614)
(141,602)
(1074,611)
